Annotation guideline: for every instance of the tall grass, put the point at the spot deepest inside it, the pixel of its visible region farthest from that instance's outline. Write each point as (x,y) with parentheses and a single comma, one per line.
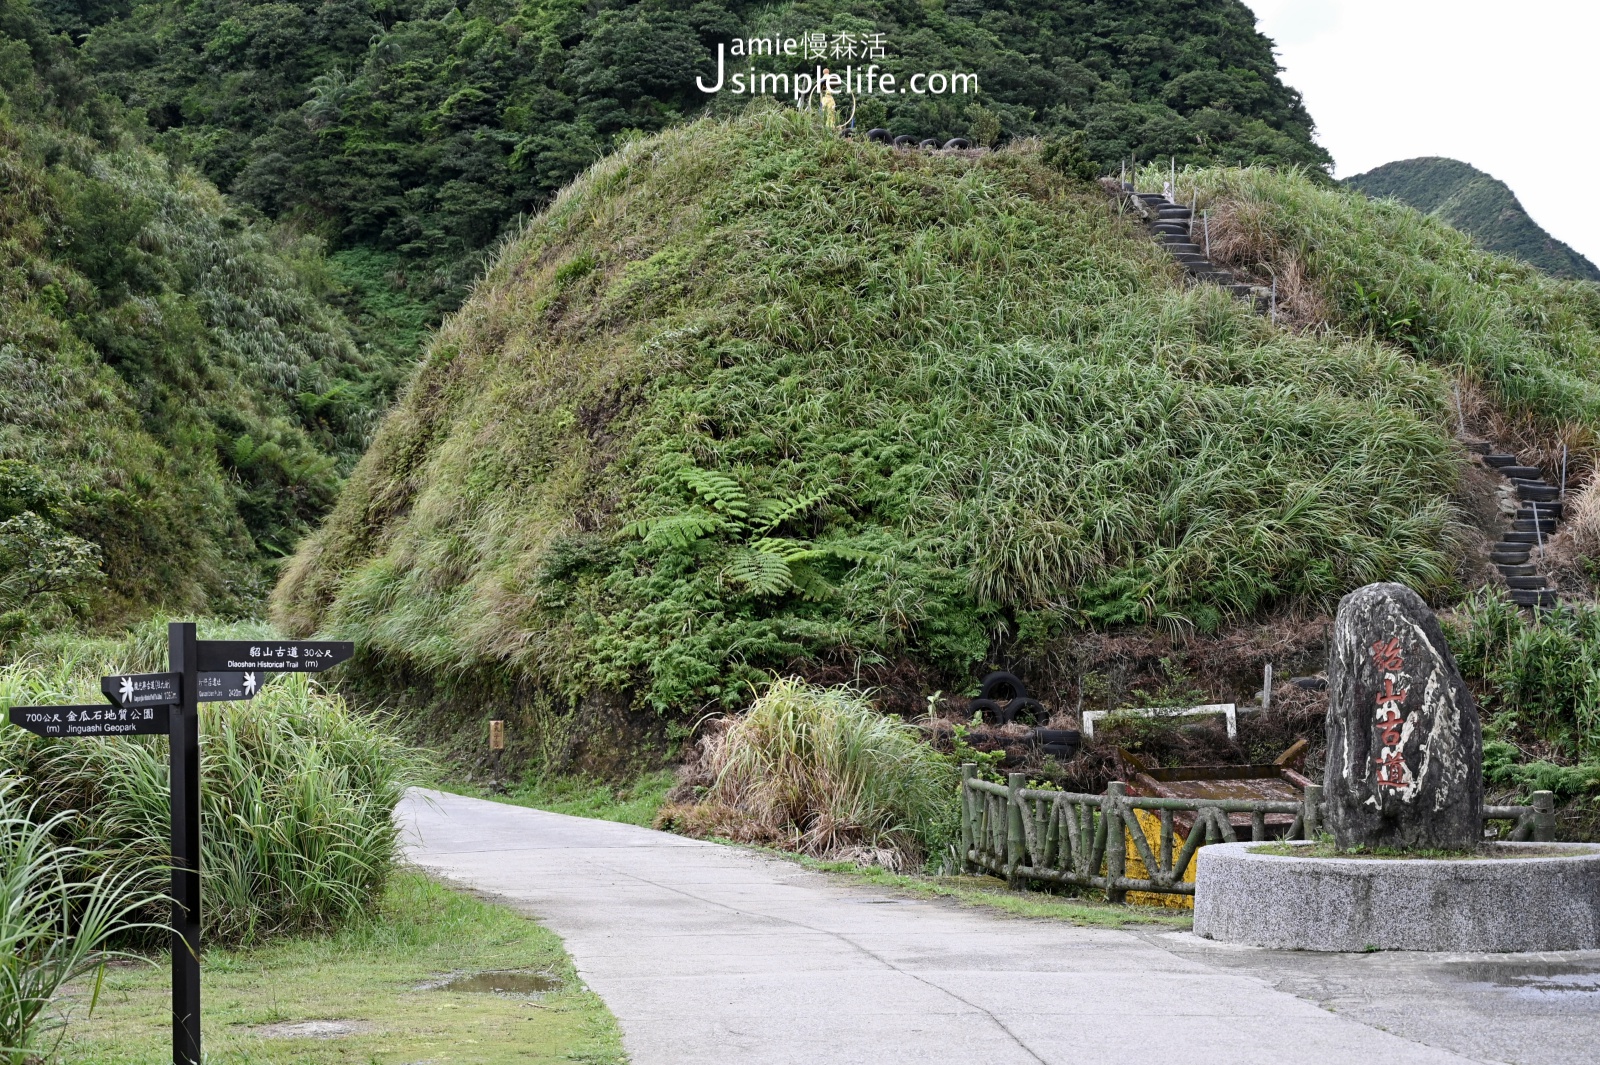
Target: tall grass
(820,771)
(55,924)
(1529,341)
(748,392)
(1539,676)
(297,795)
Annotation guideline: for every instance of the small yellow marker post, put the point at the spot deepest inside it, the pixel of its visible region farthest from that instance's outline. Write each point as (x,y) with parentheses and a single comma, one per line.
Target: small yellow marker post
(497,735)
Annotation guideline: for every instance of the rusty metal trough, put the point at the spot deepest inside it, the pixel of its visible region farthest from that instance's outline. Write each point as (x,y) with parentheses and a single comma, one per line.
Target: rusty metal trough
(1275,781)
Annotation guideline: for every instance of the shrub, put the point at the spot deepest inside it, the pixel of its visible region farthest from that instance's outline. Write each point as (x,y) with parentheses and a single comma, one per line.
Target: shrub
(297,797)
(54,924)
(819,771)
(1538,677)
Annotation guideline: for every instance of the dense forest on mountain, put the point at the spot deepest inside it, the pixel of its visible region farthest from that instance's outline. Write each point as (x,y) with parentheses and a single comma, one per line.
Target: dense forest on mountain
(410,133)
(180,397)
(1463,196)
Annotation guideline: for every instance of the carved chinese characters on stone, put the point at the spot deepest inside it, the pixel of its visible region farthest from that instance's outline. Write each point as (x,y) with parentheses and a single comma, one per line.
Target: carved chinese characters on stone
(1389,719)
(1404,743)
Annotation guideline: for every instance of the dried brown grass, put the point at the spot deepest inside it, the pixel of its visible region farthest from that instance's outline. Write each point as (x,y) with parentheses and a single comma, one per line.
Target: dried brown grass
(1242,241)
(822,772)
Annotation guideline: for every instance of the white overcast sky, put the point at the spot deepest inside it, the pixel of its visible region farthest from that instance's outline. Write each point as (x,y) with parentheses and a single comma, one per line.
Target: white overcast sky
(1509,86)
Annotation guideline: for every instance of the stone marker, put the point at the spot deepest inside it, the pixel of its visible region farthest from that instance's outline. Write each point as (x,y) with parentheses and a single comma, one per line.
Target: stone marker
(1405,750)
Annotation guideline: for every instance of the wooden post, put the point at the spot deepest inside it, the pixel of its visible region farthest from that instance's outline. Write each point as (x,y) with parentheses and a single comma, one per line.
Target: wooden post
(1015,842)
(1313,816)
(1116,842)
(183,748)
(1544,816)
(968,771)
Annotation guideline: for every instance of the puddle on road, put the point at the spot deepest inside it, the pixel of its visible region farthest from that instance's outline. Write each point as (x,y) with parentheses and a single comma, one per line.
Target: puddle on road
(501,982)
(1567,981)
(311,1029)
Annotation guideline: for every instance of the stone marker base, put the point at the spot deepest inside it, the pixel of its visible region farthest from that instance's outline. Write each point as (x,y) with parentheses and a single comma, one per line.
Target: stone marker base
(1551,902)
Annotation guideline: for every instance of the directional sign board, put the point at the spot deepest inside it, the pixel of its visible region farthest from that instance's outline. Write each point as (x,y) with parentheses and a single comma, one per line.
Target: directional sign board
(272,656)
(142,689)
(227,687)
(99,720)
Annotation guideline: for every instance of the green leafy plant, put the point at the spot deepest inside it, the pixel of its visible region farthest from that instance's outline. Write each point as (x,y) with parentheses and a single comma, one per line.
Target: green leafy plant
(1067,153)
(1540,677)
(56,923)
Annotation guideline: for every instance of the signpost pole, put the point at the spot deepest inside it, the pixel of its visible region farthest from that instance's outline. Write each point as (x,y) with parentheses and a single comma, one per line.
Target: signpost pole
(184,743)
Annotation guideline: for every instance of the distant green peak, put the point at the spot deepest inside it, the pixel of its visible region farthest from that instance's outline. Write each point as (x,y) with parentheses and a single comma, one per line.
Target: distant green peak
(1474,202)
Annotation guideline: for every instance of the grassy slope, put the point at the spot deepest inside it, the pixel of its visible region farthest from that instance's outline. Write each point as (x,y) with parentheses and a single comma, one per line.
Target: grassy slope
(746,391)
(174,374)
(1529,342)
(1475,203)
(372,972)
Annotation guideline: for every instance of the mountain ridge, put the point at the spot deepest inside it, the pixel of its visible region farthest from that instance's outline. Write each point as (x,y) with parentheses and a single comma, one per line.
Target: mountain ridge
(1476,203)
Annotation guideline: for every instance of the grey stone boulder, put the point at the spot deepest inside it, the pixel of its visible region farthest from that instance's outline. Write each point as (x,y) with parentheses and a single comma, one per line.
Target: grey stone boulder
(1405,747)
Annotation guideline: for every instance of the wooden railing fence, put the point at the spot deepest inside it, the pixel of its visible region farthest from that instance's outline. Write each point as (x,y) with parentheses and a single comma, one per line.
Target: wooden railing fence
(1023,834)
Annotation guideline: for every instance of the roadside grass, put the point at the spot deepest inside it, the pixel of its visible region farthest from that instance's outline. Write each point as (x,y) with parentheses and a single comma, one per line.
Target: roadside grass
(638,802)
(824,770)
(987,892)
(634,803)
(373,971)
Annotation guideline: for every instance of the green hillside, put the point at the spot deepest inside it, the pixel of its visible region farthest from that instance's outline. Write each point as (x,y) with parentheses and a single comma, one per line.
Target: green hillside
(411,134)
(748,393)
(181,399)
(1475,203)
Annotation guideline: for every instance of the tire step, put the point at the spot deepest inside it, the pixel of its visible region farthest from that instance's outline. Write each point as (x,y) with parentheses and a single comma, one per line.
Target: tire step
(1508,570)
(1509,558)
(1525,583)
(1528,597)
(1543,525)
(1539,493)
(1518,538)
(1522,473)
(1497,461)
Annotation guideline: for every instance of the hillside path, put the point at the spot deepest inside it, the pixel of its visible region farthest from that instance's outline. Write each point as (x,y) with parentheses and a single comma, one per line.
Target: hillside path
(708,954)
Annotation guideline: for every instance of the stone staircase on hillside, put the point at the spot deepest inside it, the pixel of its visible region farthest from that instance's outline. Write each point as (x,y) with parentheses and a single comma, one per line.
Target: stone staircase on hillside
(1174,226)
(1540,510)
(1540,503)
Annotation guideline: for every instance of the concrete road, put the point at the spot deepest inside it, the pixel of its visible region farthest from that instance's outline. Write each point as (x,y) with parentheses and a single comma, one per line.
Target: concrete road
(711,954)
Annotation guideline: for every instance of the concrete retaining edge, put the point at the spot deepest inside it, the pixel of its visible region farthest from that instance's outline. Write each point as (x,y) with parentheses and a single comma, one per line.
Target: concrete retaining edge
(1357,904)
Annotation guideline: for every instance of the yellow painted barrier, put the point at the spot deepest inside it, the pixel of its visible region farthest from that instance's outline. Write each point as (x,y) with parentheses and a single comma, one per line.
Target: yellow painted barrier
(1150,824)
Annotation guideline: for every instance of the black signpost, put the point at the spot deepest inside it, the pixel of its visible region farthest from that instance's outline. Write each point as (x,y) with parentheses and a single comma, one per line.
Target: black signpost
(90,720)
(230,686)
(144,704)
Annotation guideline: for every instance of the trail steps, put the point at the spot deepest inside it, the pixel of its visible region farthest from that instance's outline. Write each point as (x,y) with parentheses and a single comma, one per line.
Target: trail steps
(1173,225)
(1541,508)
(1540,511)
